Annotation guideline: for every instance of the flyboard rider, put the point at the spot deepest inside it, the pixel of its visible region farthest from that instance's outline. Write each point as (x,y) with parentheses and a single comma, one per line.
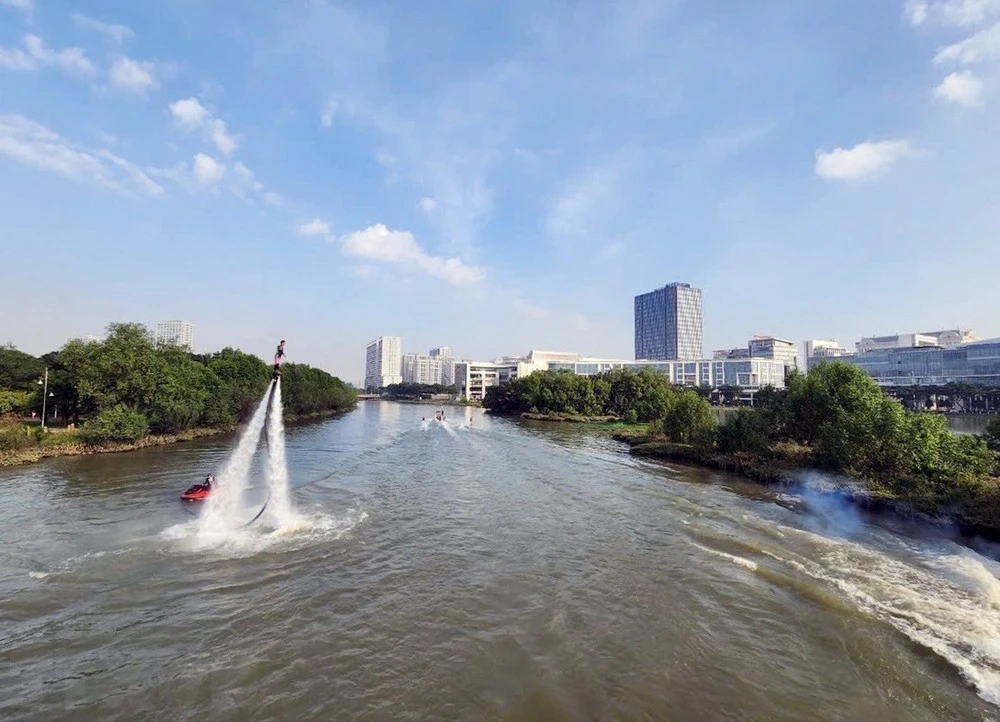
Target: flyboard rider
(279,354)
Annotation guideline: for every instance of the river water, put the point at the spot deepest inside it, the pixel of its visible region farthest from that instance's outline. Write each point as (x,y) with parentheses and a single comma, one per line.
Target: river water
(480,569)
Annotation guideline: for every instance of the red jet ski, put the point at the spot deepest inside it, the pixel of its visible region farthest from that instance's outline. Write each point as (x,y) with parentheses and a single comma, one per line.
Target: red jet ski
(199,492)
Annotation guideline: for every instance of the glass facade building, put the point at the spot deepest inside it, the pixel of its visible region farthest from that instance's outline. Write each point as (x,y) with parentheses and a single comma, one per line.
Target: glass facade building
(973,363)
(668,323)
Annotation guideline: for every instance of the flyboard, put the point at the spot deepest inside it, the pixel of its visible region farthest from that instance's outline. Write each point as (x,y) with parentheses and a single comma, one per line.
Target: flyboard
(194,494)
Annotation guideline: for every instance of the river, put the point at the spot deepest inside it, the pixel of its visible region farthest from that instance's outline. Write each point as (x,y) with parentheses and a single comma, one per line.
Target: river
(482,569)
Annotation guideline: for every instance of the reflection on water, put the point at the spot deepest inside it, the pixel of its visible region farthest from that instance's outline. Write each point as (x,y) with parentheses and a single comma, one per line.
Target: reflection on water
(479,569)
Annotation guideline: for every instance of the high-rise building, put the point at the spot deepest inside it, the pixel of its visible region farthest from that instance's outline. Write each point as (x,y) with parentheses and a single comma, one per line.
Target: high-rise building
(418,369)
(447,364)
(668,323)
(383,362)
(179,333)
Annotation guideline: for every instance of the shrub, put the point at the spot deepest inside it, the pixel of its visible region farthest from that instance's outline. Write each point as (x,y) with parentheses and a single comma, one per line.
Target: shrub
(744,431)
(119,423)
(14,437)
(13,401)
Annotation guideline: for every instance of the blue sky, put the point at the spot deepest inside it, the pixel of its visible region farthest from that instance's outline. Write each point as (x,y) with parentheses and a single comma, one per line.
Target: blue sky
(496,176)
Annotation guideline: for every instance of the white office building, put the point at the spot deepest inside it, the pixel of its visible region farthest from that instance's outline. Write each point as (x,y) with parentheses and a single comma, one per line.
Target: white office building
(383,362)
(418,369)
(947,338)
(819,350)
(775,348)
(447,364)
(178,333)
(750,374)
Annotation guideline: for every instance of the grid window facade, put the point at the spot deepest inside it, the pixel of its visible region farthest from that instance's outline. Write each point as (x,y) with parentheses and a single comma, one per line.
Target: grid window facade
(668,323)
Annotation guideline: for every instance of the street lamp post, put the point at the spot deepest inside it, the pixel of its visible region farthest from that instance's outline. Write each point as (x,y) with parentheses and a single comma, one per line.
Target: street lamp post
(45,394)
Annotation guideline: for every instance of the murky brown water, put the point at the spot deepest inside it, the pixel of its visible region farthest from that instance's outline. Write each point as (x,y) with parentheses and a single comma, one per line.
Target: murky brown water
(487,570)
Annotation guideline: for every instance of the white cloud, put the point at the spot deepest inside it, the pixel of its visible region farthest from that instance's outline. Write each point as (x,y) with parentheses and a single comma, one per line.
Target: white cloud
(428,205)
(34,145)
(190,114)
(962,13)
(223,141)
(983,45)
(329,110)
(378,243)
(916,11)
(36,56)
(245,184)
(117,33)
(863,160)
(133,75)
(962,88)
(207,171)
(22,4)
(315,227)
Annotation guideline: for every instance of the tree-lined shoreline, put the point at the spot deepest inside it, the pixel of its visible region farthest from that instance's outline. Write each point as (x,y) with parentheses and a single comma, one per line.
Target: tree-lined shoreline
(128,392)
(835,419)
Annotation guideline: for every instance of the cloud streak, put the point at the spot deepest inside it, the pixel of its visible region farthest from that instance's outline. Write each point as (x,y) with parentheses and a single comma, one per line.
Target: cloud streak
(189,114)
(35,56)
(133,76)
(116,33)
(34,145)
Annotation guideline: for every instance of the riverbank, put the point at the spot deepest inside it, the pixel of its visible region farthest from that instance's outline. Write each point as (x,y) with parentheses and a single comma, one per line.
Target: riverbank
(974,510)
(571,418)
(68,443)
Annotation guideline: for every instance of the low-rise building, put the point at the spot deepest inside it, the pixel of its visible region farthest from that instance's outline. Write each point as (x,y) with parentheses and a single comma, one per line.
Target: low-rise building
(976,363)
(818,350)
(473,377)
(775,348)
(947,338)
(750,374)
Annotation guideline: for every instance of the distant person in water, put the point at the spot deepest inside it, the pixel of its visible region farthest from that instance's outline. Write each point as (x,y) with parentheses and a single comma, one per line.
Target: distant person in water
(209,480)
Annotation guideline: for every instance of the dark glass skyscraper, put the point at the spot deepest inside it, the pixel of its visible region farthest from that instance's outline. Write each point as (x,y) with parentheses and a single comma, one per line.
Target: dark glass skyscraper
(668,323)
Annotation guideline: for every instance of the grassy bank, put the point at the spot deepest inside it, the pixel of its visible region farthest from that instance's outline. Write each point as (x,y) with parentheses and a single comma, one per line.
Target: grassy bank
(570,418)
(69,443)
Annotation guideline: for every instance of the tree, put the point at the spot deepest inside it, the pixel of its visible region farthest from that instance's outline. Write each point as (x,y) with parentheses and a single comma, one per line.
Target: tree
(689,419)
(18,370)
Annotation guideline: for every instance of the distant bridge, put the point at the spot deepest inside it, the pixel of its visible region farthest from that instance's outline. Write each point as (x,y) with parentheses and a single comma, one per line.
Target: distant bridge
(368,396)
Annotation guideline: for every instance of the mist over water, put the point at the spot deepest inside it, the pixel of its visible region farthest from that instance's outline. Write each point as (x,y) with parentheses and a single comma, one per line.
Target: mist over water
(473,569)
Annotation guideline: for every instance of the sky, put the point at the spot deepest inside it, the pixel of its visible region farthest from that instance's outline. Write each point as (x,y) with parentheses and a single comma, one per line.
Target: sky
(496,177)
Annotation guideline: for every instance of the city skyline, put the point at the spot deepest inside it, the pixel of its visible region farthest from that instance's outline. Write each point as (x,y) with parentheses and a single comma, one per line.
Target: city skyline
(500,176)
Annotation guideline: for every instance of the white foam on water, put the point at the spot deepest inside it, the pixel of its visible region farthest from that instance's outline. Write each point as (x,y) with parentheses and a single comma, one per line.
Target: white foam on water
(737,560)
(303,531)
(945,600)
